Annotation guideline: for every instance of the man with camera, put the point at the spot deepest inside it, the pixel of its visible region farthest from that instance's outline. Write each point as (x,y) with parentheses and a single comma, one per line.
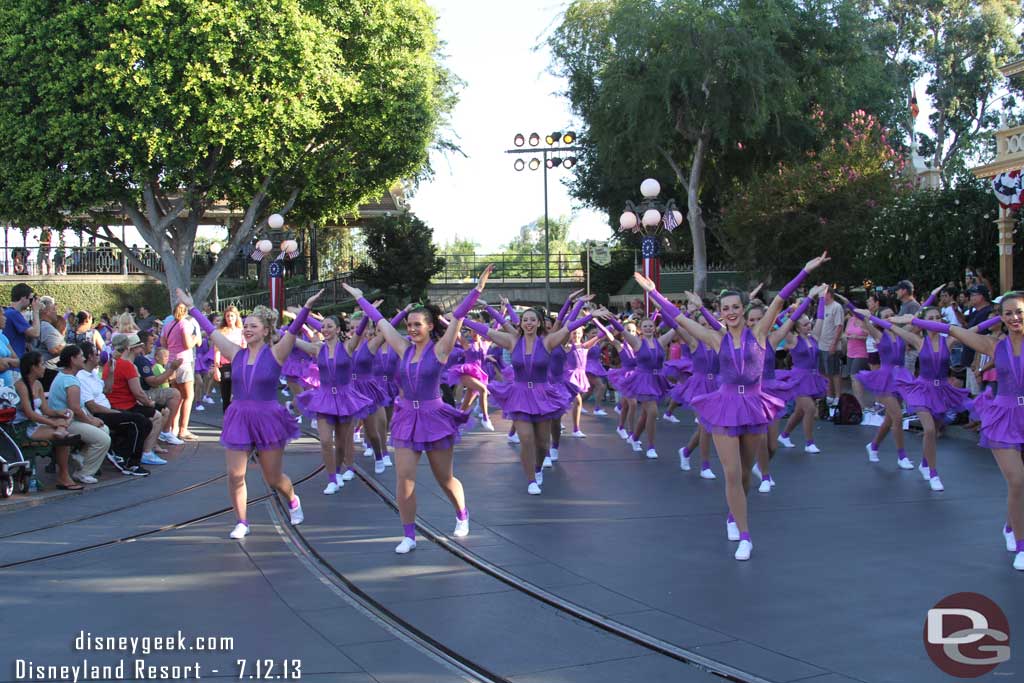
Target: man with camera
(18,329)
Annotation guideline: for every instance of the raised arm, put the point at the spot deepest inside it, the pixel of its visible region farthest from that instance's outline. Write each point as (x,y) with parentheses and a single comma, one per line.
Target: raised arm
(763,328)
(286,343)
(982,343)
(895,326)
(559,337)
(447,342)
(227,348)
(391,335)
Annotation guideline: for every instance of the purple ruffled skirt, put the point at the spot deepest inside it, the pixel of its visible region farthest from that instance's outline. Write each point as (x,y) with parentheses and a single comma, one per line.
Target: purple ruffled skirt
(882,382)
(528,401)
(684,392)
(778,387)
(335,404)
(204,362)
(644,385)
(430,425)
(371,389)
(454,374)
(579,381)
(264,425)
(1002,421)
(804,383)
(301,369)
(733,412)
(677,370)
(617,378)
(596,369)
(932,396)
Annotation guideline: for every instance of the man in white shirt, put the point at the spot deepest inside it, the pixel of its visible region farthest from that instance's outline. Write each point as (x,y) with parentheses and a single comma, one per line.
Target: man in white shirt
(128,430)
(829,361)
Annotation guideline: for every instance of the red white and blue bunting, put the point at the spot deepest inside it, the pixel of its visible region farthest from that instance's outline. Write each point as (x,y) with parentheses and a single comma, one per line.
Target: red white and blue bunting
(1008,189)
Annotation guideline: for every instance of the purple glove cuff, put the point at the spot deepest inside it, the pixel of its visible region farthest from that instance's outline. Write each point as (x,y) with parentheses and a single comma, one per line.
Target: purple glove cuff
(576,324)
(513,317)
(463,309)
(930,325)
(878,322)
(399,317)
(315,324)
(801,309)
(669,308)
(616,325)
(791,287)
(930,300)
(361,327)
(821,308)
(495,315)
(204,323)
(712,321)
(989,324)
(478,327)
(371,312)
(299,321)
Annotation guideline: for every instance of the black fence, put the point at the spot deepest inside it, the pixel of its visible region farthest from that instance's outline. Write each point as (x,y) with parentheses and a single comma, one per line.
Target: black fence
(466,267)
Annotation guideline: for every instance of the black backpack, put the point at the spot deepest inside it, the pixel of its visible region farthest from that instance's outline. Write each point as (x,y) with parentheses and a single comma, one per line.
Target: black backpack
(848,412)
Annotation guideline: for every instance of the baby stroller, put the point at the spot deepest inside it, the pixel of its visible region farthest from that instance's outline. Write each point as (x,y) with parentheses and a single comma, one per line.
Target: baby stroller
(15,470)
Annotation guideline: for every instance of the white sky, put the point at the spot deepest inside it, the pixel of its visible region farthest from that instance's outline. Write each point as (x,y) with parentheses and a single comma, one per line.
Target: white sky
(490,46)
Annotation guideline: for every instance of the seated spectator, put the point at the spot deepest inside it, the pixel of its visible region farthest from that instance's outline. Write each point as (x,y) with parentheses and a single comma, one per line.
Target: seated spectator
(81,331)
(17,328)
(126,392)
(35,420)
(128,431)
(66,394)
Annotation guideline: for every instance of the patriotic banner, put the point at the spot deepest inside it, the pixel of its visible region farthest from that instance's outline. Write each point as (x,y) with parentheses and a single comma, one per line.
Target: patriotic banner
(257,255)
(1008,189)
(277,285)
(651,266)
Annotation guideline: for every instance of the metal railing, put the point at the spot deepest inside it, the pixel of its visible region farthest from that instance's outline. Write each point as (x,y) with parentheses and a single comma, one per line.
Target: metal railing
(466,267)
(101,259)
(294,296)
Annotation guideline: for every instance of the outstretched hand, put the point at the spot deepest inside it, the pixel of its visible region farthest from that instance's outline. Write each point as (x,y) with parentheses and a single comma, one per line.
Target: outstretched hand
(356,293)
(693,299)
(313,299)
(902,319)
(645,282)
(184,297)
(484,276)
(817,262)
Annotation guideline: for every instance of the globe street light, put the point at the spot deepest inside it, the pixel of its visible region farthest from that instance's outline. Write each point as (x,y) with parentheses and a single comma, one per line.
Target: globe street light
(647,218)
(215,250)
(544,161)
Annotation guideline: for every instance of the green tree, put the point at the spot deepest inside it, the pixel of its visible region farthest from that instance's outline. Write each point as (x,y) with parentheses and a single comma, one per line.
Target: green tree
(958,45)
(523,256)
(401,257)
(704,92)
(163,108)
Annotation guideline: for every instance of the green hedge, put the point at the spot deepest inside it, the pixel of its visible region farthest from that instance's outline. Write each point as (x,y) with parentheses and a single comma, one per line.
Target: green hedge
(98,297)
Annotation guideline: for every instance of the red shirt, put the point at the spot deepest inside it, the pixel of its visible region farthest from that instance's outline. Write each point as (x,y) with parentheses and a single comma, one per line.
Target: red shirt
(121,396)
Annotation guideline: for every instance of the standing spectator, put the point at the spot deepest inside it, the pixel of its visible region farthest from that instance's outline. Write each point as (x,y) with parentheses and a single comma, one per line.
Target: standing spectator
(856,354)
(17,328)
(908,306)
(127,394)
(51,339)
(230,327)
(156,385)
(179,340)
(82,331)
(60,258)
(8,359)
(128,431)
(66,394)
(146,318)
(981,310)
(829,357)
(951,312)
(43,253)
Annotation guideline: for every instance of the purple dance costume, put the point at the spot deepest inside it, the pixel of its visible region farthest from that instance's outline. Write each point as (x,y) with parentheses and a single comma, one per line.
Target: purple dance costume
(1002,416)
(882,382)
(472,364)
(931,391)
(363,378)
(255,419)
(594,366)
(646,382)
(299,367)
(577,361)
(529,397)
(385,372)
(335,399)
(738,405)
(422,421)
(704,366)
(804,377)
(618,377)
(771,383)
(559,379)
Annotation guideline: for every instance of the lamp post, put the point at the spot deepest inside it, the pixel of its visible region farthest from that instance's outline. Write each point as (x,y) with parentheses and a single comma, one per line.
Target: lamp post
(215,250)
(551,157)
(647,218)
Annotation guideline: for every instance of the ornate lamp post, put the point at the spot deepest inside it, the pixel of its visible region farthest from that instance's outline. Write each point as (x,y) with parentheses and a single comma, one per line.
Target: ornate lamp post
(215,250)
(647,218)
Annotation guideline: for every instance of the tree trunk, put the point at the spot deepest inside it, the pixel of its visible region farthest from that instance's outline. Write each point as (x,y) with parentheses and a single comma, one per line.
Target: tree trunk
(696,217)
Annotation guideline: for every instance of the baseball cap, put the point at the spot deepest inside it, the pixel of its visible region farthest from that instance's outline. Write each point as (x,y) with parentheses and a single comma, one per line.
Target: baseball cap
(122,342)
(979,289)
(905,284)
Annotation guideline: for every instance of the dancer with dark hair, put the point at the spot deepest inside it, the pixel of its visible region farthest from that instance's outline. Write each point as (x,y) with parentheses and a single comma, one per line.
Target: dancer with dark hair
(335,404)
(618,377)
(646,384)
(255,420)
(702,380)
(470,373)
(597,373)
(809,384)
(423,421)
(738,412)
(1002,417)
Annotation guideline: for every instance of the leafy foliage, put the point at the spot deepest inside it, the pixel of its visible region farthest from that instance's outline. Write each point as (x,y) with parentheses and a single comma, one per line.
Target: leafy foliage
(402,258)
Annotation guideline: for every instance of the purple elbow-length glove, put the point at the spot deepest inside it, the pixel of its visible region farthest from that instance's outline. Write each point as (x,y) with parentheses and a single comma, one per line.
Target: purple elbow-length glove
(931,325)
(712,320)
(792,285)
(463,309)
(478,327)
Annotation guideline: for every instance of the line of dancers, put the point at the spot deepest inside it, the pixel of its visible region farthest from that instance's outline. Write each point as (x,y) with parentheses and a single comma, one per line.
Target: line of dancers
(391,382)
